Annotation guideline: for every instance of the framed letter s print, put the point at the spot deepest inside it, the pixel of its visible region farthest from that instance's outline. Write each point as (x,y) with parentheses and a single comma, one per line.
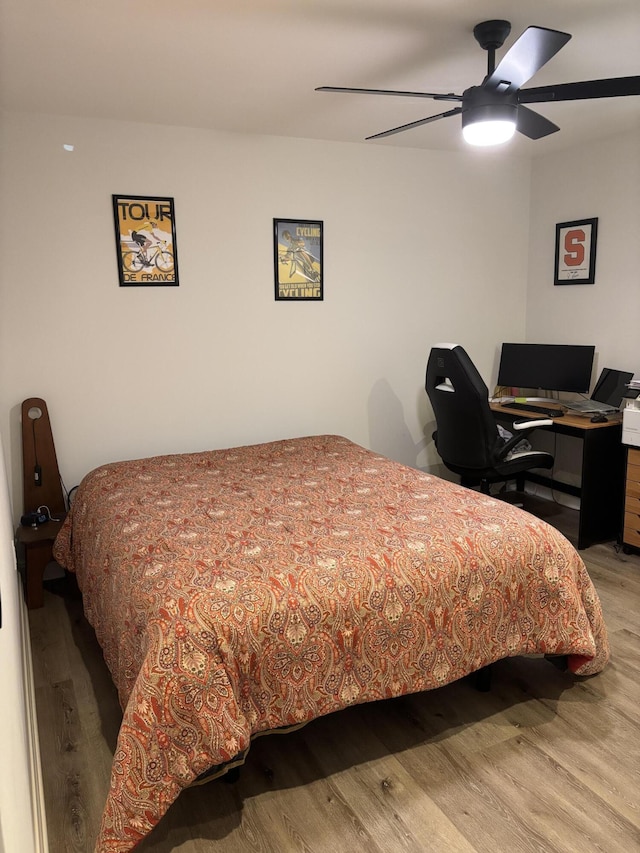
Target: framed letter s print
(576,252)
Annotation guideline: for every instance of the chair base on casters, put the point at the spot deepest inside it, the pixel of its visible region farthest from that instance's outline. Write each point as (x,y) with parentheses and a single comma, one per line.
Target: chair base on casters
(485,485)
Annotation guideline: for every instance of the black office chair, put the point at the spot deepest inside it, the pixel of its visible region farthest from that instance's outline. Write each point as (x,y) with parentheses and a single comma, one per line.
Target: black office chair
(467,436)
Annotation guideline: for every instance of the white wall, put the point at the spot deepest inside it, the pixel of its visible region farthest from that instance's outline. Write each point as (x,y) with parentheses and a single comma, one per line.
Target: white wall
(22,819)
(602,180)
(419,247)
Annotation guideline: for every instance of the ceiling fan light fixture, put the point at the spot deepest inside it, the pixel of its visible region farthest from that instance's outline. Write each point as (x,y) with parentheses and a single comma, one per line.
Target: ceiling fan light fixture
(491,124)
(494,110)
(485,133)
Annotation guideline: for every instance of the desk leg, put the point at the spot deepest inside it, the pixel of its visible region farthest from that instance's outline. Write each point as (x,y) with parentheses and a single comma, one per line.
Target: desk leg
(37,555)
(602,488)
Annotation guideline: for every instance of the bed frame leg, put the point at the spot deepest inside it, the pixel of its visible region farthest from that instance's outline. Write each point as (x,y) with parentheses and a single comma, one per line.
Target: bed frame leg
(231,776)
(482,680)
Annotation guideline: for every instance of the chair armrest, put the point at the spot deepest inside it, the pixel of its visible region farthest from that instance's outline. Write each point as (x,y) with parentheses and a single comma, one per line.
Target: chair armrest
(522,429)
(529,425)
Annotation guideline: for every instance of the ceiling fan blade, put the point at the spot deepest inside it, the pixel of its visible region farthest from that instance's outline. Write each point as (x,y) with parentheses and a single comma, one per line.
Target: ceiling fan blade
(433,95)
(615,87)
(413,124)
(535,47)
(534,125)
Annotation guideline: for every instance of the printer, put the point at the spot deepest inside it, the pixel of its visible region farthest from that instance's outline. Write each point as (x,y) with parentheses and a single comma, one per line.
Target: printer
(631,423)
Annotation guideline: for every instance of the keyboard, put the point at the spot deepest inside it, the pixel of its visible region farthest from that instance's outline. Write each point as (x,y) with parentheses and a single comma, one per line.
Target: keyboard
(531,407)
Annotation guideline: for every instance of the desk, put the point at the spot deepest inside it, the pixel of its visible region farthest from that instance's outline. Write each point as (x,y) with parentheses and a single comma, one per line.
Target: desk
(602,472)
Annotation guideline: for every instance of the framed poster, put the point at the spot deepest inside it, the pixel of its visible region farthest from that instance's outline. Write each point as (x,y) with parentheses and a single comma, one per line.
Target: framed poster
(576,252)
(297,252)
(145,241)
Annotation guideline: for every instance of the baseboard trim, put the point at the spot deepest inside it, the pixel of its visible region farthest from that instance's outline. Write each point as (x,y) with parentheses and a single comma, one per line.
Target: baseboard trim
(40,835)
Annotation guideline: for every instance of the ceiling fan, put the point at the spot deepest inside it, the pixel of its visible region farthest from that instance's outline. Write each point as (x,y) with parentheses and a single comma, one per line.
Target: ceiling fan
(494,110)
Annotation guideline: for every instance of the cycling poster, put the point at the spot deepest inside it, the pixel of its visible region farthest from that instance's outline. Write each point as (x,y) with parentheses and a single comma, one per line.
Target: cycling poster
(145,241)
(297,246)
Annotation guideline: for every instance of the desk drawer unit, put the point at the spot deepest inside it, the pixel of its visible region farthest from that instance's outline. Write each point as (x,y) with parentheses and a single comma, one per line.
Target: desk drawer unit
(631,534)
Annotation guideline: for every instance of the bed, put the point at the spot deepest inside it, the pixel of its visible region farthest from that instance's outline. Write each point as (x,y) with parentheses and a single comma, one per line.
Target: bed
(243,591)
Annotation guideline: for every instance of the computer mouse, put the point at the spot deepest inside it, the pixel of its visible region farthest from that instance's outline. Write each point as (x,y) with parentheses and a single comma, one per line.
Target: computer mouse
(599,419)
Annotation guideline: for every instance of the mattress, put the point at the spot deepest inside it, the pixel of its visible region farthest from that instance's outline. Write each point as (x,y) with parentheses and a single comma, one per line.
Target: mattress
(238,592)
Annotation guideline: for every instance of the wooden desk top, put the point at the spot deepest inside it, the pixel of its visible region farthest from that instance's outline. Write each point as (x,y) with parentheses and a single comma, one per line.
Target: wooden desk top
(569,419)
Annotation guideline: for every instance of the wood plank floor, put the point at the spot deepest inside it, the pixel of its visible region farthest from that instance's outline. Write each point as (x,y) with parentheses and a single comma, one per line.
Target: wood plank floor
(542,762)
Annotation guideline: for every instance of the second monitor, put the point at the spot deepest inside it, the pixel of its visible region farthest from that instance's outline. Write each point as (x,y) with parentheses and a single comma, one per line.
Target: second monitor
(548,367)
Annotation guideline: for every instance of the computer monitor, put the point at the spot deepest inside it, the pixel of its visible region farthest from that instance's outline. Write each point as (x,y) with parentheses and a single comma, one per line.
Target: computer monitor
(549,367)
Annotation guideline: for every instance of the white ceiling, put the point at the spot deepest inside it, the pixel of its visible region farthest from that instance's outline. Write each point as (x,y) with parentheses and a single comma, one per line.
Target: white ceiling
(251,66)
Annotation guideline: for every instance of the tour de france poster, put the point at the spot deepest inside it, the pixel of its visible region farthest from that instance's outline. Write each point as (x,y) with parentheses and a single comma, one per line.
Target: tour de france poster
(297,246)
(145,241)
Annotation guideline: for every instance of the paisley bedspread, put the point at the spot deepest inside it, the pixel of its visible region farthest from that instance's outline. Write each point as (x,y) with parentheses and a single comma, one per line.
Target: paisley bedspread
(239,591)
